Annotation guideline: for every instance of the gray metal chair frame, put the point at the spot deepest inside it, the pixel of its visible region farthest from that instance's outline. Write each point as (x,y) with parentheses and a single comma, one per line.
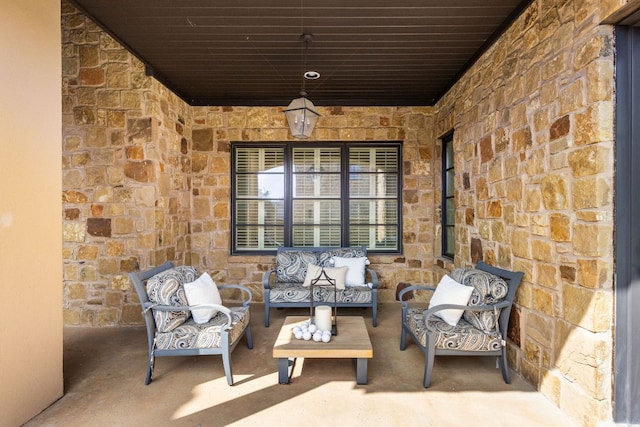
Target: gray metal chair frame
(513,280)
(139,282)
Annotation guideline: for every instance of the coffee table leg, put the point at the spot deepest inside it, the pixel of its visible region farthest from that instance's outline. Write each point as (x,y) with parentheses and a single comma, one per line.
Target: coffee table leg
(283,369)
(361,370)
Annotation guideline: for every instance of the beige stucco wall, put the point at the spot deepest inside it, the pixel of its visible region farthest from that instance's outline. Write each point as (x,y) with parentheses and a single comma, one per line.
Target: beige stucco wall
(30,226)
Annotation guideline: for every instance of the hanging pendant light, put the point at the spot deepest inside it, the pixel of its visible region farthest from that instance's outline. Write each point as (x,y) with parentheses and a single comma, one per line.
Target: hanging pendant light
(301,114)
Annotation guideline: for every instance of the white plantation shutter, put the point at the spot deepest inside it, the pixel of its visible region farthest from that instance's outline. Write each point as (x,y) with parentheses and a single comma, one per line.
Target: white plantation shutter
(373,197)
(259,198)
(316,196)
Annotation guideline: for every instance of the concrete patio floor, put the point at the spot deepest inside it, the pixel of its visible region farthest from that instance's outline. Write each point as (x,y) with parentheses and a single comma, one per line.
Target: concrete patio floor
(104,371)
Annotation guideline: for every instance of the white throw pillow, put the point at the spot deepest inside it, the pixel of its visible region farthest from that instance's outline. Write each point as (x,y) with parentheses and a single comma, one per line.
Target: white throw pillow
(336,273)
(355,272)
(203,291)
(449,291)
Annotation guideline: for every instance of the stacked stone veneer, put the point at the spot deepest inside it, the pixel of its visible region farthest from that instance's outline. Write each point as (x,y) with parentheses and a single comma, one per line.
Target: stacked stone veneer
(534,191)
(147,179)
(126,174)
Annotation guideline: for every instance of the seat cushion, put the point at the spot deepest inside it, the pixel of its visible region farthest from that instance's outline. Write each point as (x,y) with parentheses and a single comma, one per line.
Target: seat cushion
(488,289)
(165,288)
(463,336)
(296,293)
(205,335)
(291,266)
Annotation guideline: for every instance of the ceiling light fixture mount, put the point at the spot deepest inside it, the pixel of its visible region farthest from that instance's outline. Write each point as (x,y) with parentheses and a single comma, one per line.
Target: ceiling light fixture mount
(301,114)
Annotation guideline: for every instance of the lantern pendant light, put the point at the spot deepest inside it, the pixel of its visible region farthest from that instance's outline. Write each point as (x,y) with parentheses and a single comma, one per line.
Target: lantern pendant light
(301,113)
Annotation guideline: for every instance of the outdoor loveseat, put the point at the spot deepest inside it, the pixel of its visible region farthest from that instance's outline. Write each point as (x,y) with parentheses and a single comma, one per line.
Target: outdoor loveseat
(288,283)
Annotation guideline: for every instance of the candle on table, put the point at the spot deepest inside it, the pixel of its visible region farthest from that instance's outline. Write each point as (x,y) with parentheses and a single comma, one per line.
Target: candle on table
(323,317)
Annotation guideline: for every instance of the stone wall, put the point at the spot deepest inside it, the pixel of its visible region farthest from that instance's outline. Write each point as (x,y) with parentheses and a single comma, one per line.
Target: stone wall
(533,144)
(216,127)
(147,178)
(126,174)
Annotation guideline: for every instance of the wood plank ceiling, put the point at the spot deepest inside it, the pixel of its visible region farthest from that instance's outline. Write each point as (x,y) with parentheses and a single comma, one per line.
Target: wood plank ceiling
(250,52)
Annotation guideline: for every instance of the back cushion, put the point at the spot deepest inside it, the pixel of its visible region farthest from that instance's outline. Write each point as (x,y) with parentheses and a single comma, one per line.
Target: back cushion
(166,288)
(291,266)
(488,289)
(325,257)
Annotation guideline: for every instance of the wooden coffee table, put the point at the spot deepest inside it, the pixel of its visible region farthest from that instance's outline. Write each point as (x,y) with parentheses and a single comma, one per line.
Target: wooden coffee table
(351,342)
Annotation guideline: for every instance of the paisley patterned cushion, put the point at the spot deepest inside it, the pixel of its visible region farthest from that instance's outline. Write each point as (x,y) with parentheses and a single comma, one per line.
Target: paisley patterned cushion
(205,335)
(166,288)
(463,336)
(291,266)
(489,289)
(294,292)
(325,257)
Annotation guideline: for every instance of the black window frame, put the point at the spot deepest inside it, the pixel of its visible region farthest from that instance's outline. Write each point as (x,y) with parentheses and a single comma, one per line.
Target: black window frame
(448,170)
(288,147)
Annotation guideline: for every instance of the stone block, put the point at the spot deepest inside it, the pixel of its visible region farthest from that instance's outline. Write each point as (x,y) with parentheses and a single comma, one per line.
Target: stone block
(99,227)
(560,227)
(93,76)
(107,266)
(589,160)
(115,248)
(87,252)
(84,115)
(594,125)
(140,171)
(560,128)
(594,273)
(107,317)
(592,239)
(123,226)
(591,192)
(542,250)
(547,276)
(554,192)
(113,299)
(140,130)
(584,358)
(202,139)
(76,291)
(71,316)
(73,232)
(544,300)
(537,327)
(520,243)
(591,309)
(145,196)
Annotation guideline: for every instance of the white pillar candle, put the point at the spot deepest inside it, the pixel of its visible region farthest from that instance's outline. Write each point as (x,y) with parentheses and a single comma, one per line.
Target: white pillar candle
(323,317)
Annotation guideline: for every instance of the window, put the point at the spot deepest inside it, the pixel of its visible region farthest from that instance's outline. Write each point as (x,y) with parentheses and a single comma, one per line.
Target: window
(448,200)
(334,194)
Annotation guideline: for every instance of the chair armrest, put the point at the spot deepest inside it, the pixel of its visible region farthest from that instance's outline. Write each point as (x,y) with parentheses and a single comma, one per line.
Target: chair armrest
(266,278)
(244,289)
(221,308)
(499,305)
(373,275)
(413,288)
